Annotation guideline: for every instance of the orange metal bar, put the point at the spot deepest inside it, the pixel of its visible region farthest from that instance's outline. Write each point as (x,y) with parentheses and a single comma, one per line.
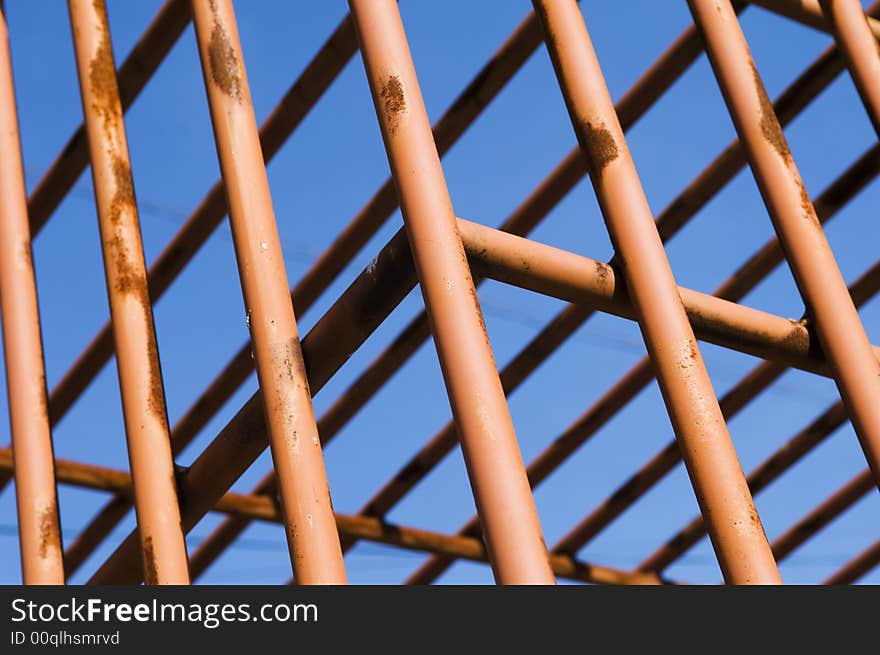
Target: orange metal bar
(647,90)
(677,214)
(296,450)
(146,56)
(324,66)
(859,46)
(768,471)
(857,568)
(807,12)
(140,377)
(36,497)
(344,327)
(139,66)
(789,104)
(501,490)
(827,511)
(718,481)
(843,338)
(741,282)
(263,508)
(287,115)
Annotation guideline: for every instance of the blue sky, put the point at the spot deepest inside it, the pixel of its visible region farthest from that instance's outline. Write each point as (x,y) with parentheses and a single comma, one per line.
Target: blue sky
(334,163)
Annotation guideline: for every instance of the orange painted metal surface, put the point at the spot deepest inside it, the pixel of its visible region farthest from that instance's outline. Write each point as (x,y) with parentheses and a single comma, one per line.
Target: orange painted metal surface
(445,258)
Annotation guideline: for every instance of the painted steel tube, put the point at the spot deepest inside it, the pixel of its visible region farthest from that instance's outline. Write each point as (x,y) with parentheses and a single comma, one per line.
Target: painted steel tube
(335,337)
(647,90)
(263,508)
(857,42)
(857,568)
(304,492)
(809,13)
(137,357)
(134,73)
(840,331)
(338,49)
(736,531)
(35,493)
(501,491)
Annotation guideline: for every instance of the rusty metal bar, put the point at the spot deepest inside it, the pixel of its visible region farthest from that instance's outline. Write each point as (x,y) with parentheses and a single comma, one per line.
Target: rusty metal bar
(35,493)
(843,338)
(573,278)
(736,531)
(339,333)
(501,491)
(805,88)
(137,357)
(263,508)
(809,13)
(464,110)
(613,400)
(139,66)
(293,435)
(298,100)
(783,459)
(748,275)
(137,69)
(768,471)
(647,90)
(821,343)
(857,568)
(789,104)
(830,509)
(860,49)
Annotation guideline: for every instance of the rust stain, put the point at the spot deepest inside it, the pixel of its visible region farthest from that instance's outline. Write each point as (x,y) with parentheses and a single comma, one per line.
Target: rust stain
(290,369)
(130,274)
(156,400)
(129,277)
(123,195)
(600,146)
(102,75)
(770,127)
(798,338)
(27,256)
(393,101)
(50,534)
(480,320)
(809,212)
(225,67)
(151,572)
(689,355)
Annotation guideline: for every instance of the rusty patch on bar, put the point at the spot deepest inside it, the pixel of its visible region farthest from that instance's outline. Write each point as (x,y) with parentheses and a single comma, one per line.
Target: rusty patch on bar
(600,146)
(225,67)
(480,320)
(290,369)
(770,127)
(123,189)
(126,273)
(102,74)
(50,533)
(689,355)
(809,212)
(27,256)
(151,572)
(156,400)
(393,101)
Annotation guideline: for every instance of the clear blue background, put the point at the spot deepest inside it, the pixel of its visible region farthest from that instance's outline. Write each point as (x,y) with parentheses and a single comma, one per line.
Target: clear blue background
(333,164)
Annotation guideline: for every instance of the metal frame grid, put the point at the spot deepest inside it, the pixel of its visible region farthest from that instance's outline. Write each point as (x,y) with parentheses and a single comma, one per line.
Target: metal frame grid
(446,258)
